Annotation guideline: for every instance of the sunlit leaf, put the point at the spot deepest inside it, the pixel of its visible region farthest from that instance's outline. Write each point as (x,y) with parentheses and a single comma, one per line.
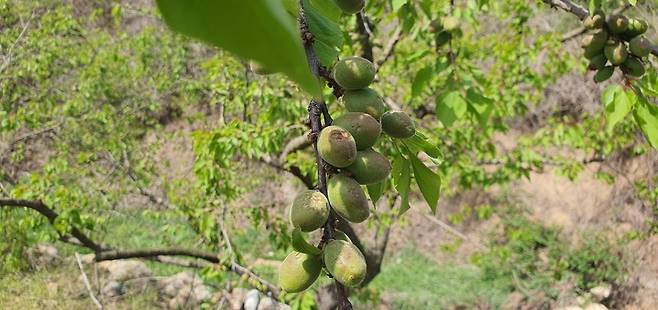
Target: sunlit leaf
(300,244)
(260,30)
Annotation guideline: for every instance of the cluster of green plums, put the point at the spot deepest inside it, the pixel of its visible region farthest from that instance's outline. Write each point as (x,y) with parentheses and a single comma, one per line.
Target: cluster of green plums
(347,146)
(615,41)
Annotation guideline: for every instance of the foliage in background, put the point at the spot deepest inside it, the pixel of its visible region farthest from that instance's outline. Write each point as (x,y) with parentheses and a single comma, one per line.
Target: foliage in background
(97,94)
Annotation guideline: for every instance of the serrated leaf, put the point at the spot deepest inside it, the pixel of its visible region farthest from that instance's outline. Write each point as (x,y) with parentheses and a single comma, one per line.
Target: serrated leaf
(375,191)
(428,182)
(401,174)
(450,107)
(617,105)
(259,30)
(300,244)
(646,116)
(423,76)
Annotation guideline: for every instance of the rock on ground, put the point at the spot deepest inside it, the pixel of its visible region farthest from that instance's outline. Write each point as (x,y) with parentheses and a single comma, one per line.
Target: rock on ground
(42,256)
(183,290)
(122,270)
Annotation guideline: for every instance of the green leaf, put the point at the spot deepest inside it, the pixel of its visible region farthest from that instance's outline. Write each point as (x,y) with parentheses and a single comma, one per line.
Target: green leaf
(450,107)
(326,54)
(259,30)
(423,76)
(328,9)
(482,105)
(397,4)
(323,28)
(593,5)
(617,105)
(327,34)
(300,244)
(419,142)
(428,182)
(375,191)
(646,116)
(401,174)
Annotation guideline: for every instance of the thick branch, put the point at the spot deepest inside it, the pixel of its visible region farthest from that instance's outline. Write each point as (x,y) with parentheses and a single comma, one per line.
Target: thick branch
(51,216)
(116,254)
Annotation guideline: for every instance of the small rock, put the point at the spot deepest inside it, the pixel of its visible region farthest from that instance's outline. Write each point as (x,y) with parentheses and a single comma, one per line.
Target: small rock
(569,308)
(42,256)
(236,298)
(251,301)
(87,259)
(183,290)
(122,270)
(113,289)
(268,303)
(601,292)
(513,301)
(596,306)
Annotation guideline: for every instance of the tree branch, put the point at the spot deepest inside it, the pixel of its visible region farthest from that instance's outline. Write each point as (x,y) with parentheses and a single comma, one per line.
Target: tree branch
(581,13)
(581,30)
(86,282)
(364,33)
(390,47)
(294,170)
(316,110)
(51,216)
(569,6)
(161,255)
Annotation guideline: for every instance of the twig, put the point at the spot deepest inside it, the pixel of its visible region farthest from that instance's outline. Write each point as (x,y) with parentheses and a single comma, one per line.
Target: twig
(11,48)
(86,281)
(390,47)
(365,34)
(294,170)
(103,253)
(569,6)
(453,231)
